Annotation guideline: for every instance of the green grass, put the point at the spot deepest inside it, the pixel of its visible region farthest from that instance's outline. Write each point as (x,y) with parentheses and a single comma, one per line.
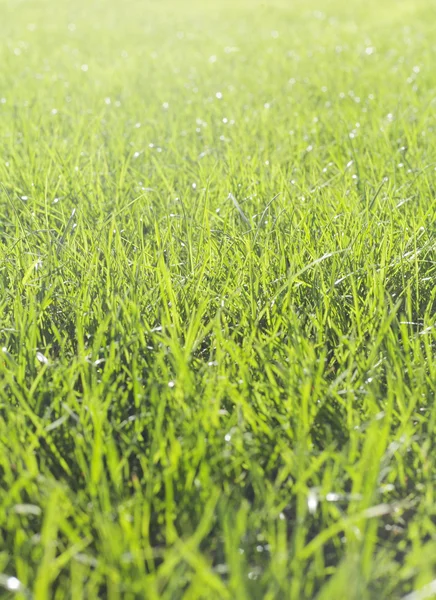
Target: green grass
(217,300)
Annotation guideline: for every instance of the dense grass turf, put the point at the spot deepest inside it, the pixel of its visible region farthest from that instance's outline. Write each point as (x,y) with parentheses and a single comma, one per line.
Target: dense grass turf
(217,254)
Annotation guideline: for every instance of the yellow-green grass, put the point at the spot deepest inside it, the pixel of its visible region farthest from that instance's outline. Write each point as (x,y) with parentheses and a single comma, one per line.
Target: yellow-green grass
(217,299)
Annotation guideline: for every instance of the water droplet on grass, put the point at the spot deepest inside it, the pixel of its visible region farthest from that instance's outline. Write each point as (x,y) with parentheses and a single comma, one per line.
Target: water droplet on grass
(27,509)
(312,501)
(332,497)
(10,583)
(221,569)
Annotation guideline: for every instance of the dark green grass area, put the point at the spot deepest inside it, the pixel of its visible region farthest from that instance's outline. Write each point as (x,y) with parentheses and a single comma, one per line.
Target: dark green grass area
(217,300)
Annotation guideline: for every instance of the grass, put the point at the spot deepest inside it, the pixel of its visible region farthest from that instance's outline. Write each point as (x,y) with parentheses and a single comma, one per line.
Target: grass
(217,300)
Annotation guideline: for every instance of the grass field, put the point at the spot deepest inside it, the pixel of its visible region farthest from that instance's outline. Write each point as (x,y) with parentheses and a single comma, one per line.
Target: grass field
(217,300)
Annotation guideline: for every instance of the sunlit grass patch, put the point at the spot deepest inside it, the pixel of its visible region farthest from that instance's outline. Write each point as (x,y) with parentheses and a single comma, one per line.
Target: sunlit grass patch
(217,300)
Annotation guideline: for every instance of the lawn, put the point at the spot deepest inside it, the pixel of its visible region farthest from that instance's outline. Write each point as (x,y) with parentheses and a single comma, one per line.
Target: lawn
(217,300)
